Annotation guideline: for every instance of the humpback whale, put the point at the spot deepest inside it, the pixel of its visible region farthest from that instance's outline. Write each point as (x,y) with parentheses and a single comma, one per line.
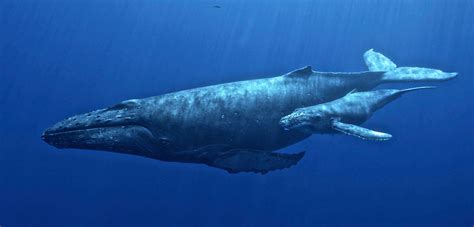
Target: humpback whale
(345,114)
(233,126)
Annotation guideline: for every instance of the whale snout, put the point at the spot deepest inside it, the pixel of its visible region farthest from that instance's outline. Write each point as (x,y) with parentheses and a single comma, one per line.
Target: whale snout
(114,128)
(294,120)
(285,122)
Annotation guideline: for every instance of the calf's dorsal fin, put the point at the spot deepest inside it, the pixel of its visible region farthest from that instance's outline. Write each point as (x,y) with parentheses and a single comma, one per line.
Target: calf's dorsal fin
(352,91)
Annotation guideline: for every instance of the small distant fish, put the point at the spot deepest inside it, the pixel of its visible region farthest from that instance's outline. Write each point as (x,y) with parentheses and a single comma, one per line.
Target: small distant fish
(217,6)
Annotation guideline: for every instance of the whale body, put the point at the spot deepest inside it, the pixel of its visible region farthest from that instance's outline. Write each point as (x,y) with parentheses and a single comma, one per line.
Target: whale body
(233,126)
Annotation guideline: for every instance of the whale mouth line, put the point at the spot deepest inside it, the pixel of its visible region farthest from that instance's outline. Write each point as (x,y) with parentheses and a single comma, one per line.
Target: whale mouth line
(295,126)
(83,129)
(57,136)
(107,136)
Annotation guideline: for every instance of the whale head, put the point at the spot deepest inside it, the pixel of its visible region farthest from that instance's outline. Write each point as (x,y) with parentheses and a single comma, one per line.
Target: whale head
(120,128)
(315,118)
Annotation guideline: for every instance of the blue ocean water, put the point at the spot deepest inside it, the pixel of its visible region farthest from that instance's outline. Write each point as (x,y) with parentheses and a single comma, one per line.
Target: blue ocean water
(59,58)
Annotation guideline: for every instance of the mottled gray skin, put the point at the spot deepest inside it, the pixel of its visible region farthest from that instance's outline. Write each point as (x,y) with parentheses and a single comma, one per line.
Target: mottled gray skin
(181,126)
(233,126)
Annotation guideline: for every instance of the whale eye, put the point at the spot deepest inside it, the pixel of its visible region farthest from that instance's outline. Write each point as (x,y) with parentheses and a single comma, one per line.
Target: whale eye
(164,141)
(125,104)
(317,117)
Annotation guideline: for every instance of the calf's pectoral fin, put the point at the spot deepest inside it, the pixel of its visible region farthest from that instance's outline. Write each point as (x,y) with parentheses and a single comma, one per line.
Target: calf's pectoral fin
(235,161)
(360,132)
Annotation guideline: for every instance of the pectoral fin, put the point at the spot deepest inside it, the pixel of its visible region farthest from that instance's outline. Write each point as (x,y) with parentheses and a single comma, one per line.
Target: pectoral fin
(357,131)
(235,161)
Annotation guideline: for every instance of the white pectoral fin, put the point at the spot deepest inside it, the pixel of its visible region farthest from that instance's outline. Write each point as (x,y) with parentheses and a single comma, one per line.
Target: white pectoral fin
(360,132)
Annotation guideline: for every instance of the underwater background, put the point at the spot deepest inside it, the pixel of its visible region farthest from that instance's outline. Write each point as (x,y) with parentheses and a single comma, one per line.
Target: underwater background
(59,58)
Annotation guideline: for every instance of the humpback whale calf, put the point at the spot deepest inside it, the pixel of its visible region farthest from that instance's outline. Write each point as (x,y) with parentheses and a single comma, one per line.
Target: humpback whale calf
(232,126)
(341,114)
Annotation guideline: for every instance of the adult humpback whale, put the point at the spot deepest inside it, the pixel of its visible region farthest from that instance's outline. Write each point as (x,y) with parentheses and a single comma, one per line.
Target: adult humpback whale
(233,126)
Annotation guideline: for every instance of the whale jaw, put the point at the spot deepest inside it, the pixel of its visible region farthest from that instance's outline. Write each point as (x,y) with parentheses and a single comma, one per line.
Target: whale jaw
(118,128)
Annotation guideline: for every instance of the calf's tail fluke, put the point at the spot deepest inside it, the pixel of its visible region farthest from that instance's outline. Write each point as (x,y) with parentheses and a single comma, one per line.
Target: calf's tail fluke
(415,88)
(391,73)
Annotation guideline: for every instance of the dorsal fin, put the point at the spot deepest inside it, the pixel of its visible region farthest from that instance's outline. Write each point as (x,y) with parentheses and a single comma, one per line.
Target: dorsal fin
(351,92)
(305,71)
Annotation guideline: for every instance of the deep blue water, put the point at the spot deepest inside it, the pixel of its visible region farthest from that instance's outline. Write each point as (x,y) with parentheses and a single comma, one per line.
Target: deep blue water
(59,58)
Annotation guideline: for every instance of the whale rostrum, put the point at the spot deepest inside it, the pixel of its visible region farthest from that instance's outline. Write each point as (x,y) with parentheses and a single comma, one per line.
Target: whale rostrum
(238,126)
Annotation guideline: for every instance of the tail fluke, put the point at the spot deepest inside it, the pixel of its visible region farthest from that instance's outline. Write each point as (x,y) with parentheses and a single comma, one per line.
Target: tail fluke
(379,63)
(382,97)
(414,89)
(413,74)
